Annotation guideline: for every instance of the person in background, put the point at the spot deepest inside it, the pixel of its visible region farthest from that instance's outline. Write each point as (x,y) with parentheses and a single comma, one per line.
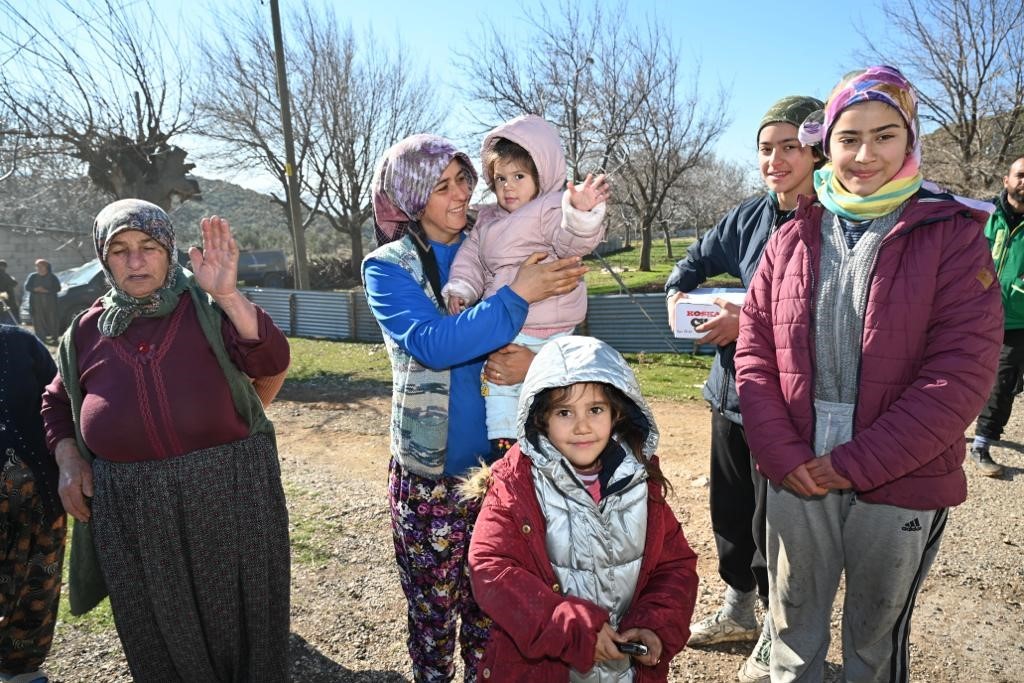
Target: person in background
(1005,233)
(868,341)
(576,551)
(32,521)
(9,288)
(421,192)
(41,287)
(737,491)
(535,212)
(167,459)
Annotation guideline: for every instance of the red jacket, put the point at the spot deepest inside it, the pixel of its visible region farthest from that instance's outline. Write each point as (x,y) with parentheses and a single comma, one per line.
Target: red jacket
(932,334)
(538,632)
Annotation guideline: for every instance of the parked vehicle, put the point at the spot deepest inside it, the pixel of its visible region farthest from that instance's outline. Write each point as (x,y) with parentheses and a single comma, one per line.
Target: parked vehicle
(79,287)
(268,268)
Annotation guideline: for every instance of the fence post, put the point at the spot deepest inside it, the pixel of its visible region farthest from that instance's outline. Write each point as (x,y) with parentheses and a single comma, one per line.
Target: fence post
(352,317)
(293,314)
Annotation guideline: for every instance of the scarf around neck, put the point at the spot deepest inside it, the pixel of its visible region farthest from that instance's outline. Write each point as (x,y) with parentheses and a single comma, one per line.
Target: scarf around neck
(885,200)
(120,309)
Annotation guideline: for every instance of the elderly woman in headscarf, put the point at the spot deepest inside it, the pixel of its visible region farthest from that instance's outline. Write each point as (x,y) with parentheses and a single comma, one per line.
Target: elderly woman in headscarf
(32,522)
(421,195)
(868,341)
(167,459)
(42,287)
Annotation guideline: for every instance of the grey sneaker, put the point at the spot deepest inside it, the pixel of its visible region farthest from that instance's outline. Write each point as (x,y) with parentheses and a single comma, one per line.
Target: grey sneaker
(984,462)
(719,629)
(756,668)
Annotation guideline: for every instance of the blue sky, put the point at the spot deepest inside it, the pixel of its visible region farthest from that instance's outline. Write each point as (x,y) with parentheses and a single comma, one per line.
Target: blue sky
(758,51)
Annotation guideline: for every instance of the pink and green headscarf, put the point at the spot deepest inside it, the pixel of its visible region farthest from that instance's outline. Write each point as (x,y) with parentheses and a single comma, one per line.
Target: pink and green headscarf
(876,83)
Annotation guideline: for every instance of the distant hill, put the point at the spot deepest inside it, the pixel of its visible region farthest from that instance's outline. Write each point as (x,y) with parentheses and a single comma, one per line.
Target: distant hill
(258,222)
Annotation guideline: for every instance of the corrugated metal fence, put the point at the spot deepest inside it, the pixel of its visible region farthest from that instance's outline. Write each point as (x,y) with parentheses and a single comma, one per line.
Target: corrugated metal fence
(629,323)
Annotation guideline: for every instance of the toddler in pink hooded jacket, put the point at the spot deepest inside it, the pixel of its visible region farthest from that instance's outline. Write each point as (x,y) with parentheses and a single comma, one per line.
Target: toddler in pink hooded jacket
(536,211)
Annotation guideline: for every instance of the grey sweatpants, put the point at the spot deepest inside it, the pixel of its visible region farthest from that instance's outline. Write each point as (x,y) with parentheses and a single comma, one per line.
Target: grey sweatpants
(885,552)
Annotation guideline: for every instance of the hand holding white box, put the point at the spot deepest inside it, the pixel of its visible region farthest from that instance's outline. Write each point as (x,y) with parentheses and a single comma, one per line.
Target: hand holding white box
(699,307)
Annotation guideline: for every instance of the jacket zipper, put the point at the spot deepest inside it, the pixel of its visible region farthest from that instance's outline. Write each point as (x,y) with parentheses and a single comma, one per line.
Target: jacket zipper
(867,299)
(814,260)
(1006,248)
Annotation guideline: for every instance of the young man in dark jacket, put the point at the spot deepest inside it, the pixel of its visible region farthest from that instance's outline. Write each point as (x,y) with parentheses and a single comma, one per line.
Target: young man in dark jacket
(734,246)
(1004,232)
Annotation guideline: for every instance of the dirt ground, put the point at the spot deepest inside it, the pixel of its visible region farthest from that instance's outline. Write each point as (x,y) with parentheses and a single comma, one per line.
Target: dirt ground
(348,620)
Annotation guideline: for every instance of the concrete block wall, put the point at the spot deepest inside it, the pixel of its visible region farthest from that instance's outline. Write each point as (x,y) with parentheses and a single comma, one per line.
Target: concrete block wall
(21,248)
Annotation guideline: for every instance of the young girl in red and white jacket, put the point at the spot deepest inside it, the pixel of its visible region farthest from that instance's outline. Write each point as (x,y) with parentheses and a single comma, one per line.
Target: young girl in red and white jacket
(576,553)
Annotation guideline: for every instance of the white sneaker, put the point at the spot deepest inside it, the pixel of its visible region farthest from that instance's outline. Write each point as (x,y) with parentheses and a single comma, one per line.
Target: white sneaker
(719,629)
(756,668)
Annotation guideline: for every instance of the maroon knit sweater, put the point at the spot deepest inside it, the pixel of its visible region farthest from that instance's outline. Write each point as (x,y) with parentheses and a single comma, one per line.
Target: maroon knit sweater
(157,391)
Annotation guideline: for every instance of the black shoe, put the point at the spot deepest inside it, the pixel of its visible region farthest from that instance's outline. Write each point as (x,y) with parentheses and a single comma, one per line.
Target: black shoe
(984,462)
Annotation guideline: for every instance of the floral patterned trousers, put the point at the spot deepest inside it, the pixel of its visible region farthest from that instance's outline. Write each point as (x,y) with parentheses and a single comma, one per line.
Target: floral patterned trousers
(432,524)
(31,556)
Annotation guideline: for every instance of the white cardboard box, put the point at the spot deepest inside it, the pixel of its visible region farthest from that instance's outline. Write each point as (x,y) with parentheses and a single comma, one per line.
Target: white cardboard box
(699,307)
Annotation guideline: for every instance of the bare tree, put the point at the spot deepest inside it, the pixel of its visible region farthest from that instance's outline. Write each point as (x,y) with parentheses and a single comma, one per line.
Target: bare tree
(966,58)
(614,91)
(709,190)
(99,93)
(582,72)
(352,99)
(367,100)
(238,108)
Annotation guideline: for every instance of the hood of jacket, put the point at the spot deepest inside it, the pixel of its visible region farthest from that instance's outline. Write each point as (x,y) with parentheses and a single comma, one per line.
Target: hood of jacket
(540,139)
(572,359)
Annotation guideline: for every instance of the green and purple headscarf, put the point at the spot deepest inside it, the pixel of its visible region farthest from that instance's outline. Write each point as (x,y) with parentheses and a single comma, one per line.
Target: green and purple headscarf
(120,308)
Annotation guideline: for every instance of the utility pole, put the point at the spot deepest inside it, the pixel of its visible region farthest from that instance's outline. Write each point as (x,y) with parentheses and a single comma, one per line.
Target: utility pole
(298,236)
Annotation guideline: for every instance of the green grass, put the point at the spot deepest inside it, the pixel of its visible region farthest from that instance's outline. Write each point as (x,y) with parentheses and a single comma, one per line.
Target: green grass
(100,618)
(627,262)
(314,359)
(672,376)
(310,533)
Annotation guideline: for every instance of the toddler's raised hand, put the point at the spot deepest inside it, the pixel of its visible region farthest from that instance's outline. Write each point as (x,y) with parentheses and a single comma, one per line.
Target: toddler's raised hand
(592,192)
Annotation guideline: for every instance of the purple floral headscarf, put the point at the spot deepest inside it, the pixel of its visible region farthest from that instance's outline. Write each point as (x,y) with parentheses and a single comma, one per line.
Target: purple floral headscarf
(405,178)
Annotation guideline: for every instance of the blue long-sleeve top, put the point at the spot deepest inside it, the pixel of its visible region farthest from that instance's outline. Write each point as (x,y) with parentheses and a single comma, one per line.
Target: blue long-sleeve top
(438,341)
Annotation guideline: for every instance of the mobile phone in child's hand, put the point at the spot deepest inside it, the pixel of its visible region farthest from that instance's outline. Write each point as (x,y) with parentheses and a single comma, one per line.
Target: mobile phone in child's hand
(632,649)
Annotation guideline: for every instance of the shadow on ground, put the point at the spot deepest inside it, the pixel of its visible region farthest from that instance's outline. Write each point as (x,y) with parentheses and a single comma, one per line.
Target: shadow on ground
(310,666)
(334,388)
(833,671)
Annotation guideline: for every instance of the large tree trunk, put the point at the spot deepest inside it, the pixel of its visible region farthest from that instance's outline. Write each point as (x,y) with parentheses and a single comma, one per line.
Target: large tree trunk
(127,169)
(355,232)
